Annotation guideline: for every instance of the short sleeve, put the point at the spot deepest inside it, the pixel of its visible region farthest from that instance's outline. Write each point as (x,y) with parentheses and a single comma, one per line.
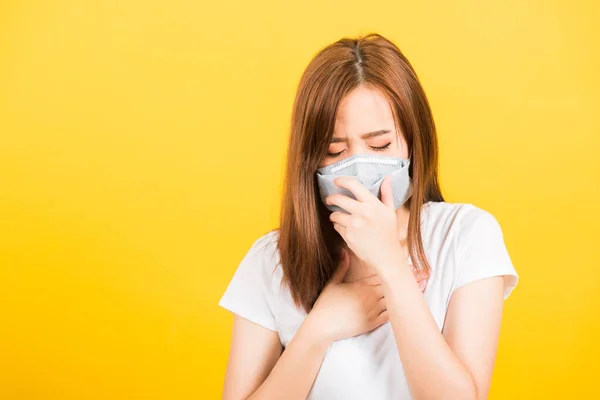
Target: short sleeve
(251,292)
(482,252)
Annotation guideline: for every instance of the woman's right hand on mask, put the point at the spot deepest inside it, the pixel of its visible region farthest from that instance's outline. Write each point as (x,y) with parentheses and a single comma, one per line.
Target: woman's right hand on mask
(346,309)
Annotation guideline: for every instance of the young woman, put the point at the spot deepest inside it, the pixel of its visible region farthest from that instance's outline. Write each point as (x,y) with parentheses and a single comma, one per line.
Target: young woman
(373,287)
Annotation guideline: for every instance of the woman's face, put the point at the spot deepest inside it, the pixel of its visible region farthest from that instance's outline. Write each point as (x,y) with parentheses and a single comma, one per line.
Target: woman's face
(364,125)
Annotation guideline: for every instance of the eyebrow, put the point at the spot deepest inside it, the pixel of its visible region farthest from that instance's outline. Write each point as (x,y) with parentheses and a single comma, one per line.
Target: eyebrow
(364,135)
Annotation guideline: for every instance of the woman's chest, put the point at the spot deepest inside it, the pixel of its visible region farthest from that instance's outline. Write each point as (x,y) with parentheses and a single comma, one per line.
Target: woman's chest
(289,317)
(367,366)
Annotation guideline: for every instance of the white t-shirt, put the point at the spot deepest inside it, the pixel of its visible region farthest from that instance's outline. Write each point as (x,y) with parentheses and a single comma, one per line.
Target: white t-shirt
(463,243)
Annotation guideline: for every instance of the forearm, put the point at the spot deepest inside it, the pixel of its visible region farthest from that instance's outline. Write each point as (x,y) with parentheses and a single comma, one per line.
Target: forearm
(294,373)
(431,368)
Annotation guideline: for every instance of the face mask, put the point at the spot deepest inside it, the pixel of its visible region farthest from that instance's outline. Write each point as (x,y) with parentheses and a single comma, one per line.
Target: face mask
(368,169)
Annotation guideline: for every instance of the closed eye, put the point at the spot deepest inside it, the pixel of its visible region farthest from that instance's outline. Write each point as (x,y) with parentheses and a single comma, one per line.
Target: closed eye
(333,155)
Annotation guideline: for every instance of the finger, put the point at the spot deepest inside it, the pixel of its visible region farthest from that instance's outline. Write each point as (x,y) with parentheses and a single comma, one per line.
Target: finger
(373,292)
(387,196)
(381,319)
(377,291)
(343,201)
(361,193)
(340,218)
(342,268)
(376,304)
(370,280)
(340,229)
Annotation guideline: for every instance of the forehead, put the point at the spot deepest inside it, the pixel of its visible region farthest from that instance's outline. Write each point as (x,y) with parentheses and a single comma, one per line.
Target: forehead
(365,109)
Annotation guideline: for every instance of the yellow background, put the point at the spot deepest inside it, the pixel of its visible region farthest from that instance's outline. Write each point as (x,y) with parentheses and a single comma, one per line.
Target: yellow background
(141,153)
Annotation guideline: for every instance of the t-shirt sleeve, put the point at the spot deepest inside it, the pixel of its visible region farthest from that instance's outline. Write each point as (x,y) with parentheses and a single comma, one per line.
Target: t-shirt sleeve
(251,291)
(482,251)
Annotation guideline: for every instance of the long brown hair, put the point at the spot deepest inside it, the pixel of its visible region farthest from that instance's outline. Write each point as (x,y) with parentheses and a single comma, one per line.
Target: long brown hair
(308,245)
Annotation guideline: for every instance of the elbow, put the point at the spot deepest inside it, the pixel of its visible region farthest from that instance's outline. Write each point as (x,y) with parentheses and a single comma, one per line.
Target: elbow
(463,389)
(468,389)
(459,389)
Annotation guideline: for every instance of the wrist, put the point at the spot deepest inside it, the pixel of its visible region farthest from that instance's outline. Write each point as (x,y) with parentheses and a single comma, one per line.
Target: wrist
(398,269)
(395,264)
(314,332)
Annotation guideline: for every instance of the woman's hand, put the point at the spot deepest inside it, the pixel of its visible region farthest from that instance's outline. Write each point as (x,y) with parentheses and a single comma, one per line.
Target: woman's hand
(370,230)
(348,309)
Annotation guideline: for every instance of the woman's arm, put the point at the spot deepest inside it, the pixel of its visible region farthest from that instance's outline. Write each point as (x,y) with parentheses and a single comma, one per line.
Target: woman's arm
(458,363)
(257,368)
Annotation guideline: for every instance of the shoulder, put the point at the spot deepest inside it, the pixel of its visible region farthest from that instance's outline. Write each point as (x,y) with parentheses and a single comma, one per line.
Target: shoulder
(444,209)
(458,219)
(462,227)
(474,239)
(265,245)
(262,257)
(253,291)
